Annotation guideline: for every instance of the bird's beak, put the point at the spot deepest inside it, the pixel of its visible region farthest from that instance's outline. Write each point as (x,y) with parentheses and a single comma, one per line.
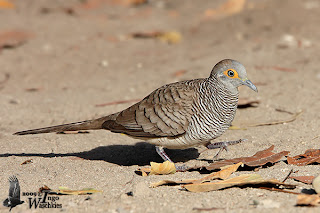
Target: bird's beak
(250,85)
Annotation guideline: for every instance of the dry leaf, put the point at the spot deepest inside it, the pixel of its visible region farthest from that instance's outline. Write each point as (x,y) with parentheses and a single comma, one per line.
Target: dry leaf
(27,162)
(6,5)
(230,7)
(12,39)
(224,173)
(259,159)
(310,156)
(44,188)
(308,200)
(172,37)
(135,2)
(144,171)
(303,179)
(246,179)
(164,168)
(85,191)
(67,191)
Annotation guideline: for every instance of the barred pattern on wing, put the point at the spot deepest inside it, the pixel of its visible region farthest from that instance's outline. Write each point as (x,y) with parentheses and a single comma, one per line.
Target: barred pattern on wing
(166,112)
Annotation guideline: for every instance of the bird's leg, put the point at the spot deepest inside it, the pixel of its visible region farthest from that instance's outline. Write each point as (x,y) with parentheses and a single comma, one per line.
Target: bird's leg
(162,154)
(222,146)
(165,157)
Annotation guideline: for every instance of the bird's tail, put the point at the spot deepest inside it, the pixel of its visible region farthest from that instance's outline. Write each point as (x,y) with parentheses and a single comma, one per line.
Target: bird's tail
(82,125)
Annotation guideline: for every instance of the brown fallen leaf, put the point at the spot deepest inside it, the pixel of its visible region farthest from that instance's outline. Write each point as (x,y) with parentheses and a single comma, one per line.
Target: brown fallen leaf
(164,168)
(67,191)
(309,157)
(135,2)
(12,39)
(228,8)
(303,179)
(224,173)
(259,159)
(27,162)
(4,4)
(308,200)
(44,188)
(242,180)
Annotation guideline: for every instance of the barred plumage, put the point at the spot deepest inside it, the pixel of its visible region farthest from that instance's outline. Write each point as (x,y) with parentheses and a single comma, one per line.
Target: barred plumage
(177,115)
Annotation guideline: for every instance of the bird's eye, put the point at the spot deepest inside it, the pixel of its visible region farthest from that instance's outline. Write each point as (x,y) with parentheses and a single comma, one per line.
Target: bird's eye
(230,73)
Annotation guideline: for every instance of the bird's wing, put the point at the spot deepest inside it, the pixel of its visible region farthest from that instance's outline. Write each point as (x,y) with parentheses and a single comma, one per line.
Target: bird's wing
(166,112)
(14,189)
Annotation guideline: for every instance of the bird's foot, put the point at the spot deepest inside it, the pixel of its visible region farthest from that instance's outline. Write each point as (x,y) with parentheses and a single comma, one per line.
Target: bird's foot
(223,146)
(165,157)
(181,168)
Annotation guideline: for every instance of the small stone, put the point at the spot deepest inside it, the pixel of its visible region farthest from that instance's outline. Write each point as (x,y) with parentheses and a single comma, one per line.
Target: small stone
(316,184)
(104,63)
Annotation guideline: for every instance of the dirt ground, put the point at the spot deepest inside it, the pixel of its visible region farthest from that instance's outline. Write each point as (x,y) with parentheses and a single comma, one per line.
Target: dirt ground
(81,53)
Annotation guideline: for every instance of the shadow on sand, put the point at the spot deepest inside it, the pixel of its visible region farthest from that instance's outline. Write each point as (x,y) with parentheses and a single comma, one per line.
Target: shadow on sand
(124,155)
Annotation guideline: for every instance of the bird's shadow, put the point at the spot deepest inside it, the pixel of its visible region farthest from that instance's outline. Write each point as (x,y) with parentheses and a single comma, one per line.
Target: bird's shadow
(124,155)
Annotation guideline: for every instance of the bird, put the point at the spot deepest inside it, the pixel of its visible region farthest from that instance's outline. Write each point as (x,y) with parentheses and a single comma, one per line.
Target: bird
(14,193)
(179,115)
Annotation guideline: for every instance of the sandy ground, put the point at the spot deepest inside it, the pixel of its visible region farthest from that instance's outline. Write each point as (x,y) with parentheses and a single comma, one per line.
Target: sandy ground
(77,59)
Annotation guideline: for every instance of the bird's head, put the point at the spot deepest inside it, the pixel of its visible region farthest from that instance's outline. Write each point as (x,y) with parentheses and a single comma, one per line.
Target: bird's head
(232,74)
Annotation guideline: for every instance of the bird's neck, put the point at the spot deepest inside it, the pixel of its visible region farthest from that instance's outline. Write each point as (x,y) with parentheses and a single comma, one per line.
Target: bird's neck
(219,89)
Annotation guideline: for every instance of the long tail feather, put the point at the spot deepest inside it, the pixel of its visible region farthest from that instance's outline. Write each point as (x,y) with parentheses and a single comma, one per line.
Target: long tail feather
(82,125)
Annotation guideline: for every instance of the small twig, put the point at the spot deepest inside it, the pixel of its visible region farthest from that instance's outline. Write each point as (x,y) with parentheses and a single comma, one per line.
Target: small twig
(206,209)
(117,102)
(287,176)
(315,137)
(279,190)
(294,117)
(130,181)
(283,110)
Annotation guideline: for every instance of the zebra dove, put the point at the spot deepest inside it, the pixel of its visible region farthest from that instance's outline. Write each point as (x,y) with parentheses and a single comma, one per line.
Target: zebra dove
(178,115)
